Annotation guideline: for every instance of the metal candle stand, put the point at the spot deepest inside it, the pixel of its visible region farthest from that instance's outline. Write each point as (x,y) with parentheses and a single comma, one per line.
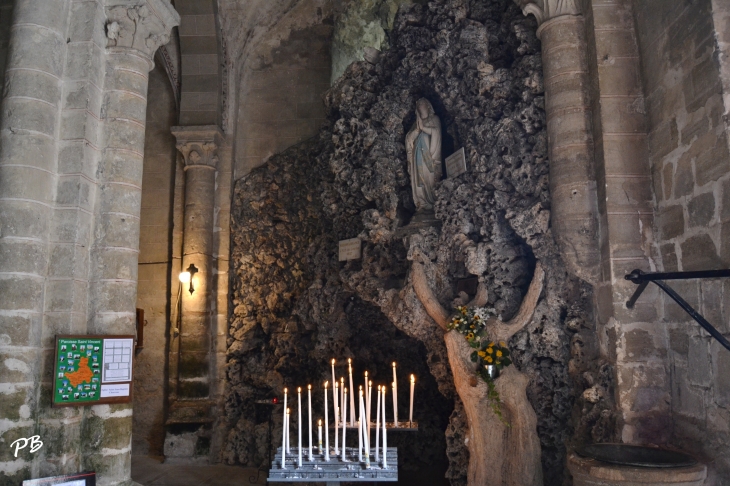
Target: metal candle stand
(334,470)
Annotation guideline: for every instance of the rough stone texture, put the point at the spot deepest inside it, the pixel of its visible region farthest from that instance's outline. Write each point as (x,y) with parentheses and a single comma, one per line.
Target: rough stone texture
(155,261)
(479,65)
(681,52)
(360,24)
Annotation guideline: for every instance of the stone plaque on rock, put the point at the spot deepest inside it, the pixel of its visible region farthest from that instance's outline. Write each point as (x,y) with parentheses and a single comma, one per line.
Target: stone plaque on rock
(350,249)
(456,164)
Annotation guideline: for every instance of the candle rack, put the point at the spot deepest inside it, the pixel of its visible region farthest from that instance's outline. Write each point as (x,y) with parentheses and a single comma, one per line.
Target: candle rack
(333,471)
(403,426)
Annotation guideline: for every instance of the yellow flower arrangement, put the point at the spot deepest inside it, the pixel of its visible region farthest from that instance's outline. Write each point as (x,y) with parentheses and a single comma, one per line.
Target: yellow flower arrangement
(499,353)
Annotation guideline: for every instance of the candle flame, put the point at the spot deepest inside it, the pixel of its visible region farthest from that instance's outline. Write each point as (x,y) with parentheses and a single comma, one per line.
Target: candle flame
(349,360)
(288,410)
(366,373)
(319,422)
(309,387)
(360,387)
(370,383)
(327,383)
(413,379)
(285,390)
(345,389)
(333,361)
(393,364)
(299,389)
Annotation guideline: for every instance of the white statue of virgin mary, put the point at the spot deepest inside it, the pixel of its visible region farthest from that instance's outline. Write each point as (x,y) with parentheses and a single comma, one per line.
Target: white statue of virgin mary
(423,146)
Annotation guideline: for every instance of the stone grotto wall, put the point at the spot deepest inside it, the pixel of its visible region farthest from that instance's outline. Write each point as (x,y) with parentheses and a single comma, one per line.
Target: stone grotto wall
(295,306)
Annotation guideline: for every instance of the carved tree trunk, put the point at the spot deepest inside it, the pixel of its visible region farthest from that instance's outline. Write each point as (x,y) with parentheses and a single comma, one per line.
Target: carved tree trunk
(499,455)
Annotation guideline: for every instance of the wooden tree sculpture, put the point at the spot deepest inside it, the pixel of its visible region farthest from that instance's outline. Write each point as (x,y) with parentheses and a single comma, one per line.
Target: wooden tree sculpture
(500,455)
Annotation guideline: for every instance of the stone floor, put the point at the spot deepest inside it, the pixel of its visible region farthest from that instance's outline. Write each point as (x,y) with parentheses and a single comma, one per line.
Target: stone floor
(151,471)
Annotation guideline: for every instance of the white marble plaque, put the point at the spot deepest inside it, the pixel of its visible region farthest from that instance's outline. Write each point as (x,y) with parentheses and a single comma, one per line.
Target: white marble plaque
(350,249)
(456,164)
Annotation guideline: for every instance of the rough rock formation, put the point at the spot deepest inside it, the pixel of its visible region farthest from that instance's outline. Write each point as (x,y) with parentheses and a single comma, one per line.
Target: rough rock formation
(478,62)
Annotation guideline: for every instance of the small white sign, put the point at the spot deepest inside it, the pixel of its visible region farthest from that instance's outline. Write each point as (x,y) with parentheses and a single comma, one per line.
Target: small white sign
(108,391)
(350,249)
(456,164)
(117,360)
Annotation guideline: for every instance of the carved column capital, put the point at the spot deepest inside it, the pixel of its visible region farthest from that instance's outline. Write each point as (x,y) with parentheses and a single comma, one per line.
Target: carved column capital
(545,10)
(142,25)
(199,145)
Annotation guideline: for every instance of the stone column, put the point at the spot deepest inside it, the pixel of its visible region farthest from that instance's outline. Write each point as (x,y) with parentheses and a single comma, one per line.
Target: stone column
(134,31)
(191,380)
(570,143)
(29,123)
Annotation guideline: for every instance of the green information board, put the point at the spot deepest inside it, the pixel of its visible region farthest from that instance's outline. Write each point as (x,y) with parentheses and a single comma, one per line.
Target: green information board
(90,370)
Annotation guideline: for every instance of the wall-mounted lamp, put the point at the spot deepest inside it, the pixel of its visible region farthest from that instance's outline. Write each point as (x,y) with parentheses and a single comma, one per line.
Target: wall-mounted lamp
(187,277)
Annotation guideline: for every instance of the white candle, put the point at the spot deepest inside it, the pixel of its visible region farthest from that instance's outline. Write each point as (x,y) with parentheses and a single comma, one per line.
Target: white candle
(309,390)
(288,434)
(395,397)
(366,387)
(359,430)
(335,399)
(352,394)
(319,435)
(363,424)
(395,405)
(283,439)
(334,384)
(377,427)
(385,436)
(343,403)
(344,423)
(283,435)
(368,407)
(326,427)
(410,415)
(299,392)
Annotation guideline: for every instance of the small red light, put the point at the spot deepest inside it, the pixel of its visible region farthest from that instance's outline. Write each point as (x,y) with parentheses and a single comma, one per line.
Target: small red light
(275,400)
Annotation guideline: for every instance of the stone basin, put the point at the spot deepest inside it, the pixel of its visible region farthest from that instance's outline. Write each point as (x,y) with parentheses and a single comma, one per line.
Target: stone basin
(623,464)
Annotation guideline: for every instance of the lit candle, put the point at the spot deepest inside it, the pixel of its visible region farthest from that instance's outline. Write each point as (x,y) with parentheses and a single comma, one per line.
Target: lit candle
(368,407)
(344,423)
(326,427)
(283,435)
(377,427)
(395,405)
(410,415)
(395,397)
(352,394)
(363,424)
(299,392)
(366,387)
(283,438)
(309,390)
(359,430)
(288,435)
(334,384)
(319,435)
(385,436)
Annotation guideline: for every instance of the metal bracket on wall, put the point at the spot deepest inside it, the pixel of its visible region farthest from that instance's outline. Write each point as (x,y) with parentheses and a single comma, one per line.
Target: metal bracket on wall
(643,279)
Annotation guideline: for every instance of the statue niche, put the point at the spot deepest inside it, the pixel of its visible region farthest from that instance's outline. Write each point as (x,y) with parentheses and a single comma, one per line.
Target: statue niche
(423,146)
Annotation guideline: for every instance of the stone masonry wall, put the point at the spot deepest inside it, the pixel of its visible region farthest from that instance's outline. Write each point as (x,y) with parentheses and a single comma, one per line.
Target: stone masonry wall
(6,13)
(155,260)
(691,173)
(281,96)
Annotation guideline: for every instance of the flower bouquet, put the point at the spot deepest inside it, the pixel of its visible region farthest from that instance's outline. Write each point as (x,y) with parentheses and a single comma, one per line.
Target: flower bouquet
(490,356)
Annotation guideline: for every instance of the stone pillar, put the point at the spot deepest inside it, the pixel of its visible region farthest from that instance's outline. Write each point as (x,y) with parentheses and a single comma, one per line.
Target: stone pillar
(29,123)
(570,142)
(626,207)
(134,31)
(190,385)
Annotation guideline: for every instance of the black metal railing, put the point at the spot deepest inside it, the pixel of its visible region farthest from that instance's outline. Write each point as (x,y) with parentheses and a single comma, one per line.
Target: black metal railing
(643,279)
